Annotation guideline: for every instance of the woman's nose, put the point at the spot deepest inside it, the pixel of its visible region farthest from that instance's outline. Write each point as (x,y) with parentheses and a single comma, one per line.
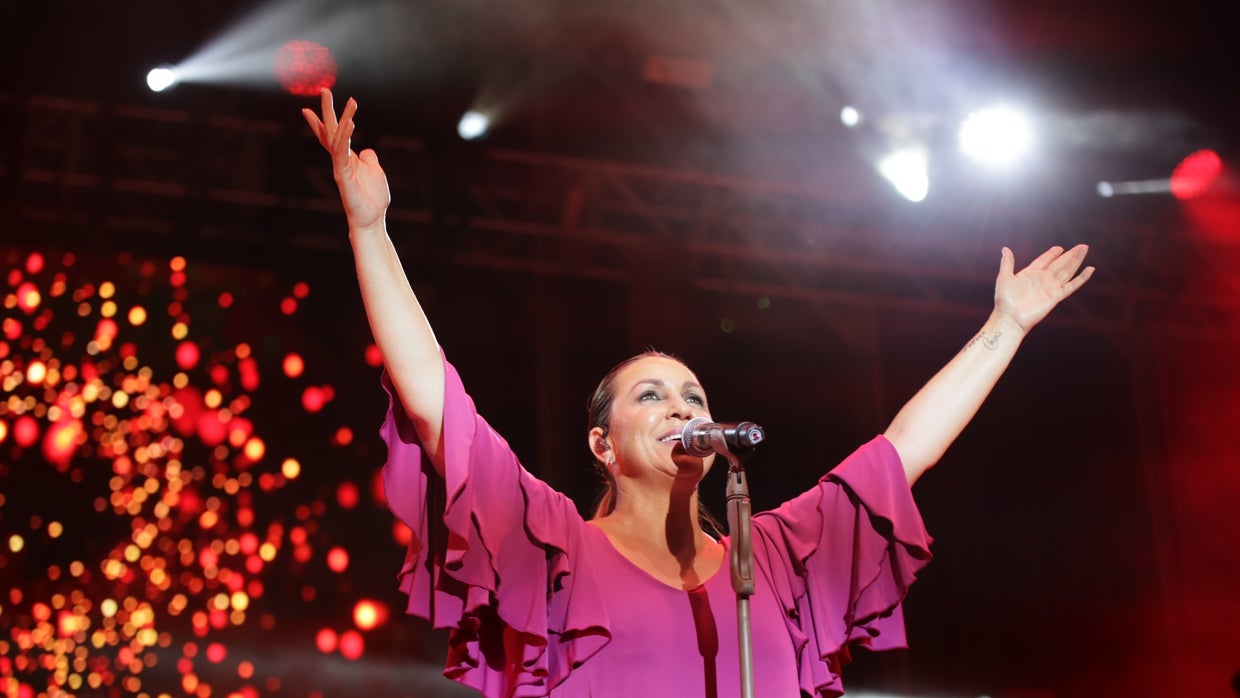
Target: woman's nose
(679,407)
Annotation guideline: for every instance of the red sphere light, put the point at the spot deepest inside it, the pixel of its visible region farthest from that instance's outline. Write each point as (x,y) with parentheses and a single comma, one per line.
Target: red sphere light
(1195,173)
(305,68)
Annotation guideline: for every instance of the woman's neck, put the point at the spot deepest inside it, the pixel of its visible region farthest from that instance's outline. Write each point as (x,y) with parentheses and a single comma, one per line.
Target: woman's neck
(668,520)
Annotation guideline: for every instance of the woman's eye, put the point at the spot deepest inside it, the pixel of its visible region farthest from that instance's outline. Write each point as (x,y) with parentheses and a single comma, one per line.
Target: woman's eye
(695,399)
(648,395)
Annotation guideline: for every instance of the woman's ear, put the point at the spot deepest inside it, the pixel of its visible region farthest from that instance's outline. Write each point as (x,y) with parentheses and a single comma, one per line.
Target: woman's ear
(598,443)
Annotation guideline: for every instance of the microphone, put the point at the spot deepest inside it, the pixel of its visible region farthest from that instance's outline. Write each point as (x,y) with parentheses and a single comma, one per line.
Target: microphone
(703,437)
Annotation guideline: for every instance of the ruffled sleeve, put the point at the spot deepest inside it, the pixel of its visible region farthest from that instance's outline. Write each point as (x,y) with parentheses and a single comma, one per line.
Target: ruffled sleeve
(841,558)
(492,554)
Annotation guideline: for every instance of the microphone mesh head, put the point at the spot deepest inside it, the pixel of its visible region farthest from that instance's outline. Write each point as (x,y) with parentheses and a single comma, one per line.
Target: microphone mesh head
(686,438)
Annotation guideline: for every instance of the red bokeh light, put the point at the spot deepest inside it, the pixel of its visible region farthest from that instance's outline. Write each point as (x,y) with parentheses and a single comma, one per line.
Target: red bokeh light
(402,534)
(34,263)
(61,441)
(28,297)
(288,306)
(325,640)
(216,653)
(347,495)
(249,543)
(352,645)
(211,430)
(105,332)
(1195,173)
(25,431)
(373,356)
(293,365)
(337,560)
(368,614)
(187,355)
(305,68)
(343,436)
(314,398)
(248,369)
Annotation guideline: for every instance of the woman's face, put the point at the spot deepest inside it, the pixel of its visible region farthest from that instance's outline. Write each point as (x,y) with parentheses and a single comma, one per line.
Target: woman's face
(655,396)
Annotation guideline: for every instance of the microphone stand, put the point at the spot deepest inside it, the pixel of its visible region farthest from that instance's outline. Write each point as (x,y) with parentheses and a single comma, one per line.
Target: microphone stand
(741,559)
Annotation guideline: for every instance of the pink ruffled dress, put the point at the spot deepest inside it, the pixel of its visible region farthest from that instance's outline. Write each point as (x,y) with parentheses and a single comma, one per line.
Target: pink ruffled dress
(540,603)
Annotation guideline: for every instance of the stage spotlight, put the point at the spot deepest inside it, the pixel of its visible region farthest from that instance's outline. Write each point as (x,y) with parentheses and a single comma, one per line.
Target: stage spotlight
(996,136)
(161,78)
(1195,173)
(305,68)
(908,172)
(473,125)
(849,116)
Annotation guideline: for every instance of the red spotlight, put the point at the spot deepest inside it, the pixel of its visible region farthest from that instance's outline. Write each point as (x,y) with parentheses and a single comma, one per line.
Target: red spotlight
(1195,173)
(305,68)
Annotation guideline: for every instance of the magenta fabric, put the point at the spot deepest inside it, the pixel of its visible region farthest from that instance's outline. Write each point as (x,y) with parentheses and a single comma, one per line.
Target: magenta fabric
(540,603)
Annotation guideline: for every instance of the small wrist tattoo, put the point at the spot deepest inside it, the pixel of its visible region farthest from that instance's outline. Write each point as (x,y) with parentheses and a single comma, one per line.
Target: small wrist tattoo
(991,342)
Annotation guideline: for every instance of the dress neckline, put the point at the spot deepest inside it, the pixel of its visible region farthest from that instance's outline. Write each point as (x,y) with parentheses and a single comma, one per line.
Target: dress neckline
(723,564)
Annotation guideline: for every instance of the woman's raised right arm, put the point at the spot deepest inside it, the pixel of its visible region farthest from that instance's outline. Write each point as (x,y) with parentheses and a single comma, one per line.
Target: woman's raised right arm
(401,330)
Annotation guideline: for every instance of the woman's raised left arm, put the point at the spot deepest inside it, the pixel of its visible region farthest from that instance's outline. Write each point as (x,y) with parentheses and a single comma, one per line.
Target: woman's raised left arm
(935,416)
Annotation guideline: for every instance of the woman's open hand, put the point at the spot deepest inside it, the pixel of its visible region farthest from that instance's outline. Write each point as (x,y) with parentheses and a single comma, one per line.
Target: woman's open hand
(1029,295)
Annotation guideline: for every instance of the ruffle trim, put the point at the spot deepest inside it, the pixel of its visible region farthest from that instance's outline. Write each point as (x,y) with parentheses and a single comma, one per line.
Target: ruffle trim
(865,512)
(513,636)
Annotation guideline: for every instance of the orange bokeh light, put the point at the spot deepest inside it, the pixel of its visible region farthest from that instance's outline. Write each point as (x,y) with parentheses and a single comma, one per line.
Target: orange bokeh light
(293,365)
(28,297)
(368,614)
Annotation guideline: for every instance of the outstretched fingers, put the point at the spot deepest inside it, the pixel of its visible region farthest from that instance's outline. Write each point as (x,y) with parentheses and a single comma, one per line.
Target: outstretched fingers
(1064,267)
(1077,282)
(1045,259)
(329,109)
